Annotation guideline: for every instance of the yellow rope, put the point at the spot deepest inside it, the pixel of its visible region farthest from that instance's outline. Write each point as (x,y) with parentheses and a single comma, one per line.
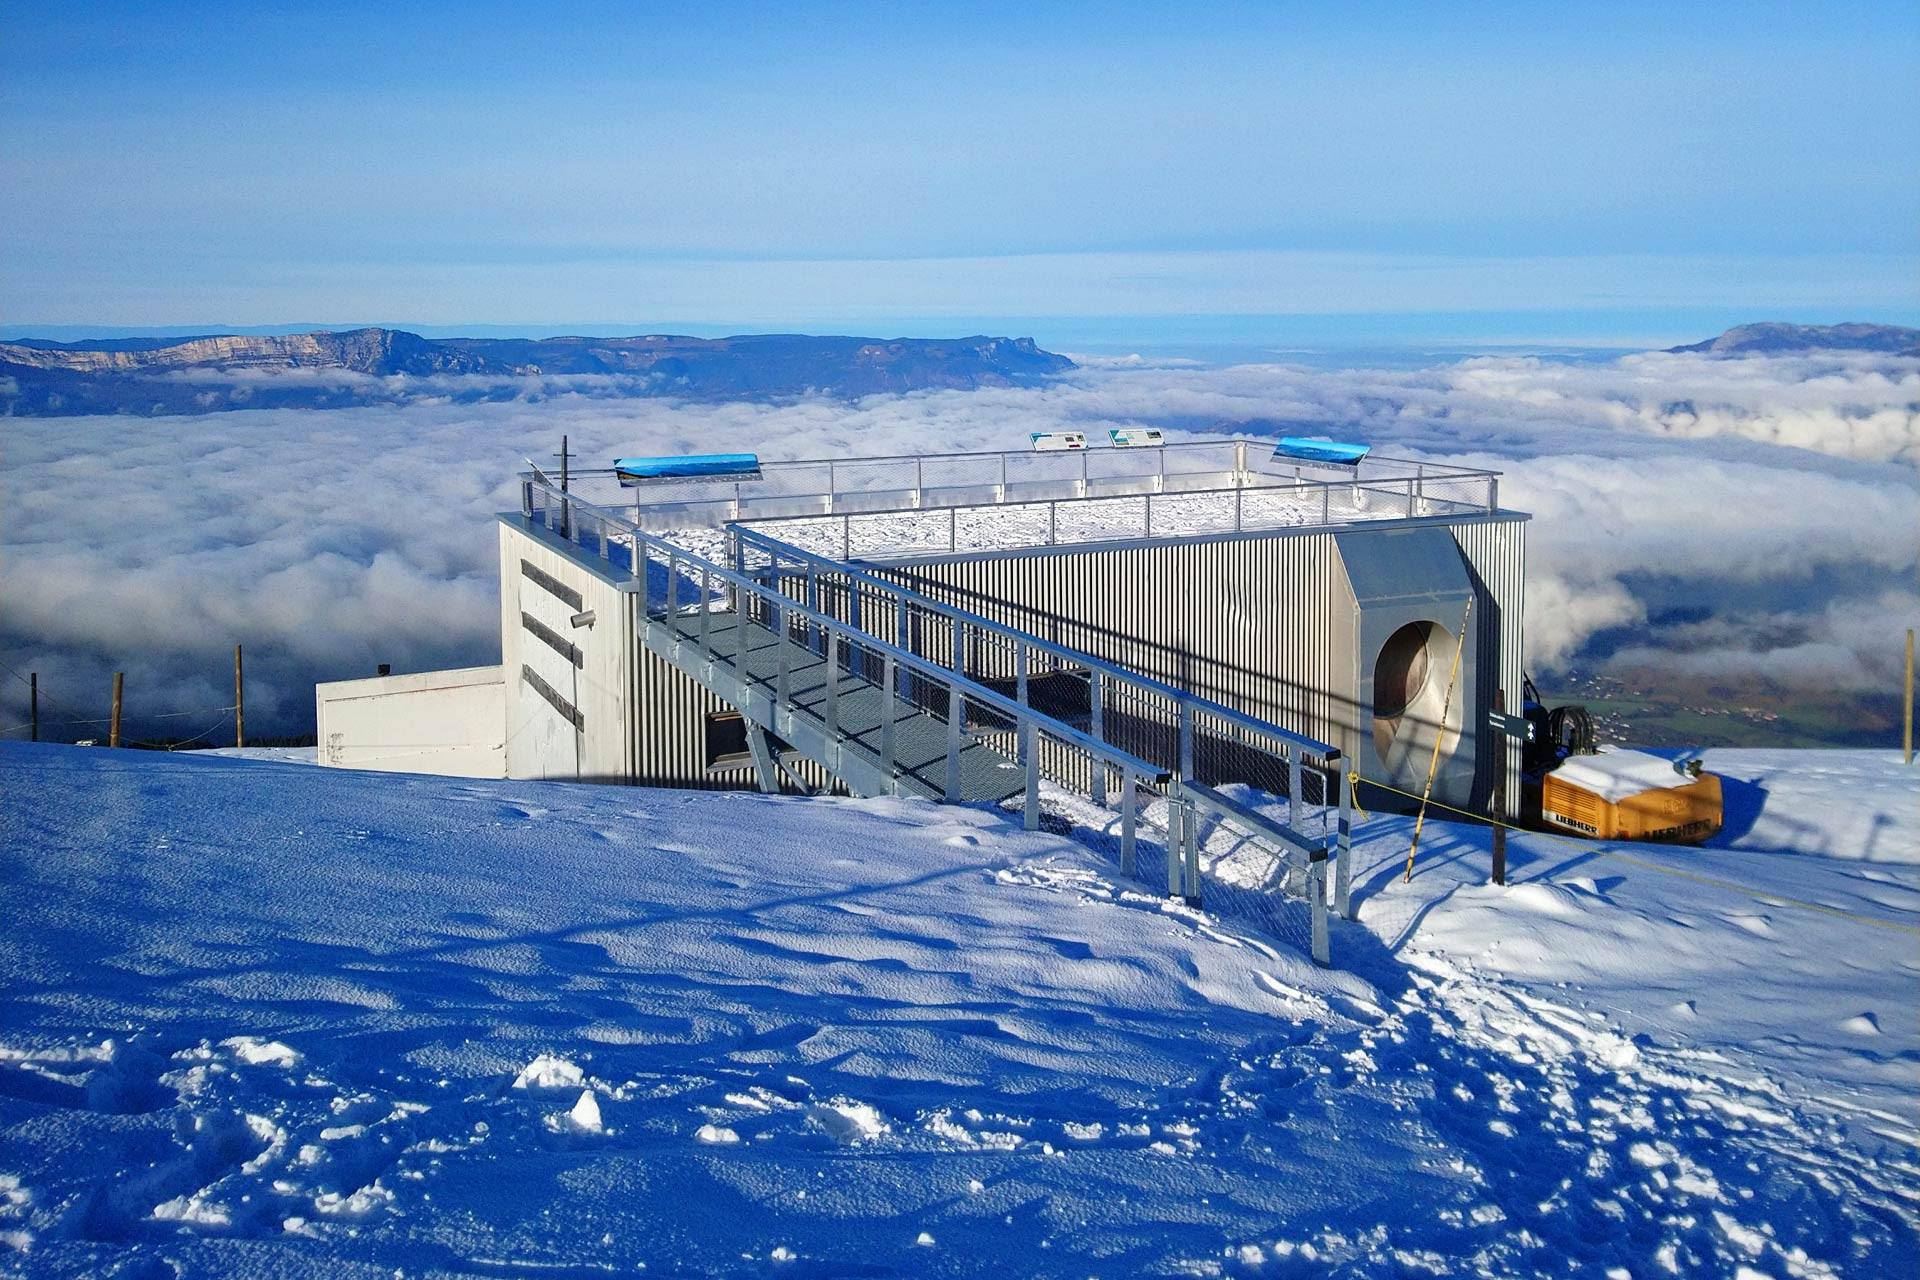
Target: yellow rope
(1599,848)
(1440,736)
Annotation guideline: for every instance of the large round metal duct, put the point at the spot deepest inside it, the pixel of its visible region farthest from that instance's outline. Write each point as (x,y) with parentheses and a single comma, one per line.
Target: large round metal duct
(1409,693)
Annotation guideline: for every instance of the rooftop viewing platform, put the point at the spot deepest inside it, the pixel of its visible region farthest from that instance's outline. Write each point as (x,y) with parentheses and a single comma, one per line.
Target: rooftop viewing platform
(859,508)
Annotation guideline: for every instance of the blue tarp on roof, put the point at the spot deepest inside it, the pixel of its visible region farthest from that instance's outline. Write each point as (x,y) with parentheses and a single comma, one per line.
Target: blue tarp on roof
(1325,452)
(729,466)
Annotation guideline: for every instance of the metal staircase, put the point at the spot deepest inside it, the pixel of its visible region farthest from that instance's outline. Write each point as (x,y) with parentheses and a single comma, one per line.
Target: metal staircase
(893,693)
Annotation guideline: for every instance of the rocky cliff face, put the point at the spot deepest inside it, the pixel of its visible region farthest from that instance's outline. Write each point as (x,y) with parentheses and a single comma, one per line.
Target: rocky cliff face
(1773,338)
(371,351)
(198,375)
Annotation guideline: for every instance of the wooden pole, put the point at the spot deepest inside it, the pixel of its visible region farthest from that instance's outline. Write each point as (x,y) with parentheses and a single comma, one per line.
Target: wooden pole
(33,703)
(1906,704)
(1439,736)
(239,703)
(1500,798)
(113,733)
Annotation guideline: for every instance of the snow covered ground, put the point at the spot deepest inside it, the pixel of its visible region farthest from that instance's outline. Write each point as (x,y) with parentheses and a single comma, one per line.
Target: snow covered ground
(265,1019)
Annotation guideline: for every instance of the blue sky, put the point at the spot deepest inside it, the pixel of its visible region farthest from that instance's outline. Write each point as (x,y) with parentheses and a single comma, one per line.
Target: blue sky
(1566,171)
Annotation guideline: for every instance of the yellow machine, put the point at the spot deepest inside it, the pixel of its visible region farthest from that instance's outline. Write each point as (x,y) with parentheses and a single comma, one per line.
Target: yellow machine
(1573,786)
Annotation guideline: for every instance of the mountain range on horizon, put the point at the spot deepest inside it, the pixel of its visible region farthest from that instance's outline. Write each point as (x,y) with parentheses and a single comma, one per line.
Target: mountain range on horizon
(1775,338)
(337,368)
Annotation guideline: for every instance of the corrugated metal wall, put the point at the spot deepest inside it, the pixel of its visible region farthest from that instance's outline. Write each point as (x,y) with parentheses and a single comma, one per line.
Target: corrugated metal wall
(669,730)
(1496,552)
(1252,621)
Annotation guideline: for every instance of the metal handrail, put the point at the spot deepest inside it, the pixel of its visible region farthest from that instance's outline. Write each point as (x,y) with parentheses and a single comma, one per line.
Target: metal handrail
(1435,470)
(674,553)
(1180,697)
(925,667)
(647,548)
(1406,489)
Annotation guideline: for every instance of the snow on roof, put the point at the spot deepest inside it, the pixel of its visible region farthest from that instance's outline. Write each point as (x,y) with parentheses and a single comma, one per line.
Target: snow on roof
(1615,773)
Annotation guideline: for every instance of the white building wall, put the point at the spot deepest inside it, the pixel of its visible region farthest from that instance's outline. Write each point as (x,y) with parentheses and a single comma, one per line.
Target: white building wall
(444,722)
(569,690)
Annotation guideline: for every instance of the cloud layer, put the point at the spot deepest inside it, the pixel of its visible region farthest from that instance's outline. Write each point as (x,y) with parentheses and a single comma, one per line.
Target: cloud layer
(1756,514)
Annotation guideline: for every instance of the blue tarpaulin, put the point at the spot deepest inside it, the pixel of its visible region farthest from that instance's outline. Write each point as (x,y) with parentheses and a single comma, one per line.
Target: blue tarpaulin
(1325,452)
(726,466)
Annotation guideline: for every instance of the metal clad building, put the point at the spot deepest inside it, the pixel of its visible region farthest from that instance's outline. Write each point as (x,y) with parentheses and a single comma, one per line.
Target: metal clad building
(1330,608)
(1282,625)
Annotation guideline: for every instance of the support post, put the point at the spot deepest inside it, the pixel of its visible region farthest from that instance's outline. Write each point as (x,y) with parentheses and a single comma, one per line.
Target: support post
(1030,755)
(239,703)
(673,600)
(1186,740)
(783,672)
(1499,814)
(1129,818)
(956,712)
(1176,842)
(1317,908)
(831,641)
(1190,832)
(33,704)
(886,722)
(763,767)
(706,612)
(1020,672)
(113,732)
(1343,847)
(742,601)
(1097,726)
(856,656)
(1293,788)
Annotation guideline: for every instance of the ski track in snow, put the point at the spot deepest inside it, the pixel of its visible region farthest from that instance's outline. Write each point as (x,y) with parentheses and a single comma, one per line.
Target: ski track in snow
(265,1018)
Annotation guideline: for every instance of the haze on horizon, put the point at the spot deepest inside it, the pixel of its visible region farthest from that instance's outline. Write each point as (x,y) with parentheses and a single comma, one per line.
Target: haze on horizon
(1627,172)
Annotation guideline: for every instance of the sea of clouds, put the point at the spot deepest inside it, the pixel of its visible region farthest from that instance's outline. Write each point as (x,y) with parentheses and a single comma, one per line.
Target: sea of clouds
(1692,514)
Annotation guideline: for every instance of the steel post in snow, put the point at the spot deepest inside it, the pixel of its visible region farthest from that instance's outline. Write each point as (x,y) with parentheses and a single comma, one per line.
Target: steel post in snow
(1317,909)
(1343,848)
(1190,849)
(1129,819)
(1097,728)
(886,723)
(956,712)
(1030,754)
(1176,813)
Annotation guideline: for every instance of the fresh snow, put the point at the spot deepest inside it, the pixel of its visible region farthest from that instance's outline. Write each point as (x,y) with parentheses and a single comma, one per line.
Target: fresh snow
(265,1019)
(1615,773)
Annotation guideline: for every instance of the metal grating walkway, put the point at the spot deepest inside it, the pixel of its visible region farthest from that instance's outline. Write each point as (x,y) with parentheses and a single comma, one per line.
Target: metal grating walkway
(838,720)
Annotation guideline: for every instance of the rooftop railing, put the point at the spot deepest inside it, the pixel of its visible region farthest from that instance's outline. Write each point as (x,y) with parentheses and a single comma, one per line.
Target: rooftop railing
(836,487)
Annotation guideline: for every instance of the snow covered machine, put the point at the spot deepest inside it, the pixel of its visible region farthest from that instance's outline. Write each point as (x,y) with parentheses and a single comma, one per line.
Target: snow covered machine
(1571,785)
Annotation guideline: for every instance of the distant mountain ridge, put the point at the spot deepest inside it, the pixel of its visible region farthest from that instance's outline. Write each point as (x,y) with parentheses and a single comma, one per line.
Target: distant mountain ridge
(202,374)
(1775,338)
